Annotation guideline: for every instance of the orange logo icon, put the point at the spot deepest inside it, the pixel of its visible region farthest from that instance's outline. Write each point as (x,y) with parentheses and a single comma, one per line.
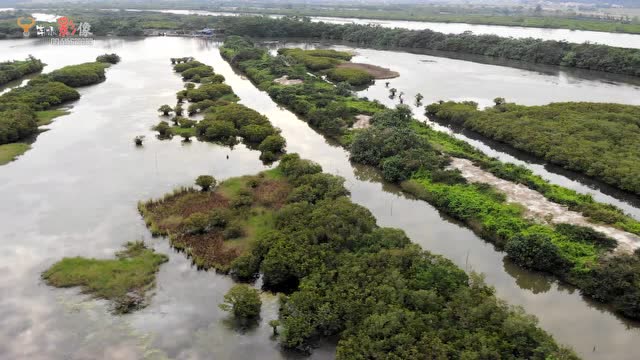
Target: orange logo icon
(26,26)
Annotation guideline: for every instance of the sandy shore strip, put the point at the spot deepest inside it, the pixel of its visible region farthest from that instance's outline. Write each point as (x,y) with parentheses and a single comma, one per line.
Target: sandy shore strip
(538,207)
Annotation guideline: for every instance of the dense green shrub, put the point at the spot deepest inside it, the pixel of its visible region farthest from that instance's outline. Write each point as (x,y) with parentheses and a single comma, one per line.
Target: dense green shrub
(79,75)
(273,143)
(163,129)
(206,182)
(108,58)
(218,130)
(16,124)
(354,77)
(187,65)
(208,91)
(536,251)
(201,71)
(40,94)
(242,301)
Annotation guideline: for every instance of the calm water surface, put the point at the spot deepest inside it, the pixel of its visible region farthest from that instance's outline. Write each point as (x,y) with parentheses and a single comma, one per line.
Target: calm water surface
(75,193)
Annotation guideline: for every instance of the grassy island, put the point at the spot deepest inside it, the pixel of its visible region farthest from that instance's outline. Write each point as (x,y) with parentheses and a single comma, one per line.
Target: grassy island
(344,277)
(417,157)
(123,281)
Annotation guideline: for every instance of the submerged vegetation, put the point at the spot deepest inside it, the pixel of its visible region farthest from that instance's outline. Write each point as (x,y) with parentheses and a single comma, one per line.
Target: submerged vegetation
(23,109)
(310,241)
(14,70)
(599,140)
(123,281)
(224,120)
(416,156)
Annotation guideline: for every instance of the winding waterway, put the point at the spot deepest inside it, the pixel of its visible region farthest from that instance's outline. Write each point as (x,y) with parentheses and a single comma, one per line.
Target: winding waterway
(75,193)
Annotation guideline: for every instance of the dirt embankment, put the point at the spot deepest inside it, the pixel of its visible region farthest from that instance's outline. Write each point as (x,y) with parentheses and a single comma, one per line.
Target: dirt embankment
(286,81)
(376,71)
(362,122)
(538,207)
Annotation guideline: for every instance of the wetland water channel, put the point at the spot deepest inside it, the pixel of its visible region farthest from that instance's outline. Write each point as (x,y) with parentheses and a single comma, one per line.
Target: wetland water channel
(75,193)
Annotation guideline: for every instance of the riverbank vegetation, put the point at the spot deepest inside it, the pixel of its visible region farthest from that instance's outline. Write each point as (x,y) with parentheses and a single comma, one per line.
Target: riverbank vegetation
(223,119)
(584,56)
(416,156)
(123,281)
(23,109)
(14,70)
(599,140)
(342,275)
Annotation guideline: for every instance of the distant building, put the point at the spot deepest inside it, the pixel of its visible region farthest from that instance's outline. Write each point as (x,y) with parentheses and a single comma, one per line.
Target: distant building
(206,31)
(209,32)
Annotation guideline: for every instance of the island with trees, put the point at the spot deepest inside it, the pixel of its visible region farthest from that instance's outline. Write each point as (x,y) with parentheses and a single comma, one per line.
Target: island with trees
(600,140)
(223,121)
(17,69)
(296,227)
(418,158)
(24,109)
(336,66)
(123,281)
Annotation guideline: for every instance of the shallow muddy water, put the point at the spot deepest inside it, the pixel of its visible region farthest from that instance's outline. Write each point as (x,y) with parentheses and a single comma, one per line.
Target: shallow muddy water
(75,193)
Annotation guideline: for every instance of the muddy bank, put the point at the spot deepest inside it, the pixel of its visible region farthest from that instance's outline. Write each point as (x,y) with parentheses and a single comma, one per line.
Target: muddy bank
(538,207)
